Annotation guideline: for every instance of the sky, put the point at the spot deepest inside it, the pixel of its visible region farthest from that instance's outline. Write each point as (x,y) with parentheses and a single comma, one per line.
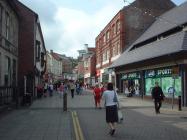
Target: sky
(69,24)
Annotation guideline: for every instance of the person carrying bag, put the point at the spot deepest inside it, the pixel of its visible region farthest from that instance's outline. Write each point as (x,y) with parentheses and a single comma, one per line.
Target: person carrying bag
(111,106)
(120,115)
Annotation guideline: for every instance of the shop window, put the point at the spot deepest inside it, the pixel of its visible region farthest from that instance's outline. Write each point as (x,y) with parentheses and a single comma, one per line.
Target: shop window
(165,83)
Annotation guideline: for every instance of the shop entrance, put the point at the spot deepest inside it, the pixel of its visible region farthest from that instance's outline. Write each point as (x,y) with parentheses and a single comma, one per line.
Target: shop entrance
(131,87)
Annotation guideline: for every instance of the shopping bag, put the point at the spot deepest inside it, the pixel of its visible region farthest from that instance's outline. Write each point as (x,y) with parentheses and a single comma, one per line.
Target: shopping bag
(120,116)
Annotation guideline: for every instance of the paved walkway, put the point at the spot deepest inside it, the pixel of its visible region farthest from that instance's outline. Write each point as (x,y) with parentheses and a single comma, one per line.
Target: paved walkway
(45,120)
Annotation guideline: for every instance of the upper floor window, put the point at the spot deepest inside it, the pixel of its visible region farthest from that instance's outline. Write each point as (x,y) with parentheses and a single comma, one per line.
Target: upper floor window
(108,35)
(118,49)
(38,50)
(104,56)
(114,51)
(7,25)
(108,54)
(104,38)
(114,29)
(118,25)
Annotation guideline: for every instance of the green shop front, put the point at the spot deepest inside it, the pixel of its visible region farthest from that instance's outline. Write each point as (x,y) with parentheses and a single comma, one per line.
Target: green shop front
(169,79)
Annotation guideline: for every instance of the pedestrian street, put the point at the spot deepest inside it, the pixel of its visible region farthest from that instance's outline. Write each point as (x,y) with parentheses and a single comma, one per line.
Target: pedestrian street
(46,120)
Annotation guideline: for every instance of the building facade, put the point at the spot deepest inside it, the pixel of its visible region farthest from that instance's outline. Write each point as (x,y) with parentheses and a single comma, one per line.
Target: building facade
(125,27)
(159,55)
(32,52)
(9,26)
(89,66)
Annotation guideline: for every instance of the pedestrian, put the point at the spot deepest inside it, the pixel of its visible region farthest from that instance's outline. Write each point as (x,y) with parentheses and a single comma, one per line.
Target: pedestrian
(50,89)
(61,90)
(97,96)
(111,107)
(72,88)
(158,97)
(45,89)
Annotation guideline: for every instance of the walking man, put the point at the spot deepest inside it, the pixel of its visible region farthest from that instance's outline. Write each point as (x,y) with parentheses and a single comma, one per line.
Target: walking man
(158,97)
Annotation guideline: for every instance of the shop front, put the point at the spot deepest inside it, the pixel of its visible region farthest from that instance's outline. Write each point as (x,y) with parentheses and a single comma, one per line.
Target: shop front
(169,80)
(131,83)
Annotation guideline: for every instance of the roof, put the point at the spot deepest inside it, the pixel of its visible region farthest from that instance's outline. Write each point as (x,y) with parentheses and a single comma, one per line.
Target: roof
(172,44)
(165,22)
(56,56)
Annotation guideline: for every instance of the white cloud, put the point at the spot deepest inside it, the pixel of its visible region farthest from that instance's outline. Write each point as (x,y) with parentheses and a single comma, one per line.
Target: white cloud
(73,28)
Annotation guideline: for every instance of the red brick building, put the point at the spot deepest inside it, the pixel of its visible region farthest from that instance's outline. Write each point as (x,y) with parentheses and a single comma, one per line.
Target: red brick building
(125,27)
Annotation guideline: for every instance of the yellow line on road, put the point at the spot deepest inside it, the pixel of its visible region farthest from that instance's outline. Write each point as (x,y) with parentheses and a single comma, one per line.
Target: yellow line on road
(77,128)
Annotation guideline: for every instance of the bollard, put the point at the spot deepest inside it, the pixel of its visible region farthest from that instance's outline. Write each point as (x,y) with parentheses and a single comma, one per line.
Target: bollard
(65,101)
(179,103)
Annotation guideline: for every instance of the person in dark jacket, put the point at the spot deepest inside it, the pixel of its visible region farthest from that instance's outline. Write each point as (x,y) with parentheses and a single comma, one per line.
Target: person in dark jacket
(158,97)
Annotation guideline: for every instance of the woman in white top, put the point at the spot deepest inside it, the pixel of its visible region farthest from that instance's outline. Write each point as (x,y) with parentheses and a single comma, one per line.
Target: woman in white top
(111,107)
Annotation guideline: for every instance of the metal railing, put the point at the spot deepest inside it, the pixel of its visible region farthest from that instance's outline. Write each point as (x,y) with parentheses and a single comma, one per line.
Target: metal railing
(8,95)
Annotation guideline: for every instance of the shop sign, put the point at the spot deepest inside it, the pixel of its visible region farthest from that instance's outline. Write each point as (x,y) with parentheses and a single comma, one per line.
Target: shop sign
(158,73)
(131,76)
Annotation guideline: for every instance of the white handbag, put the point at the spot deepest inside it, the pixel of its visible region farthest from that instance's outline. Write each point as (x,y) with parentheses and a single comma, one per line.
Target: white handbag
(120,116)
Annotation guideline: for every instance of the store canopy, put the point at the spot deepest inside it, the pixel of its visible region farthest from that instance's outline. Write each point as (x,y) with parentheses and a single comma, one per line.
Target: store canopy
(164,46)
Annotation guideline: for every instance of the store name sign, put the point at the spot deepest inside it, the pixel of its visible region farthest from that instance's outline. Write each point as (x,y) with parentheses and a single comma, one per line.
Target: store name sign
(131,76)
(164,72)
(158,72)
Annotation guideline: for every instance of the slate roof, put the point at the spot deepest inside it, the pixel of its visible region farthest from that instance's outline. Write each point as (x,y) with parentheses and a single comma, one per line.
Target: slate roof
(165,22)
(172,44)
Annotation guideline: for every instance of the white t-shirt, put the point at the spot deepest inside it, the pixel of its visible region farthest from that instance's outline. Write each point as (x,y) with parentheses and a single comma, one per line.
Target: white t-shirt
(108,96)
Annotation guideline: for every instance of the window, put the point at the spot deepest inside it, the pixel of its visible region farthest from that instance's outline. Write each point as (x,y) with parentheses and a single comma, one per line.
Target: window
(118,25)
(118,49)
(1,9)
(7,71)
(108,35)
(37,50)
(108,54)
(104,38)
(113,51)
(14,73)
(104,56)
(114,29)
(7,26)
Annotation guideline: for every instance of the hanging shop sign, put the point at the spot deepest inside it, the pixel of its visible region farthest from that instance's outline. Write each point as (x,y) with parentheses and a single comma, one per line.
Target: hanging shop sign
(164,72)
(129,76)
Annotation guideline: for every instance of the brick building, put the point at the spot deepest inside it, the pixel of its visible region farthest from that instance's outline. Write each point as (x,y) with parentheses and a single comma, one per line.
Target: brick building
(158,55)
(32,52)
(125,27)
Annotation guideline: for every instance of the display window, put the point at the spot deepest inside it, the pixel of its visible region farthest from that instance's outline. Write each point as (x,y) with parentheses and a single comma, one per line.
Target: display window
(166,83)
